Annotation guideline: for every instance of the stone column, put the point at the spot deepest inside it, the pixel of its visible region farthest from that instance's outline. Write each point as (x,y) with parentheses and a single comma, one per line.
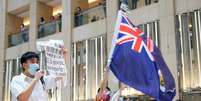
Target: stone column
(67,26)
(33,28)
(3,42)
(111,11)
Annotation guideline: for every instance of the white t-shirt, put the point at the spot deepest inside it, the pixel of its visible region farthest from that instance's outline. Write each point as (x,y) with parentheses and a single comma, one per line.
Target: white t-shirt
(21,82)
(116,96)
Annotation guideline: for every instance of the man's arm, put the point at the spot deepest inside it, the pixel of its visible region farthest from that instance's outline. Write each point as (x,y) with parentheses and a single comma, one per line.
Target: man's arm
(105,79)
(24,96)
(51,81)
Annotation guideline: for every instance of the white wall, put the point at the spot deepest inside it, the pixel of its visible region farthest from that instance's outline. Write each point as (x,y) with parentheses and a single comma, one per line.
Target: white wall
(16,51)
(16,4)
(183,6)
(145,14)
(89,30)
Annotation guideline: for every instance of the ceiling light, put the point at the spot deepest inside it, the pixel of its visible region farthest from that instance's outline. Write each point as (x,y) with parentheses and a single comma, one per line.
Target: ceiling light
(91,1)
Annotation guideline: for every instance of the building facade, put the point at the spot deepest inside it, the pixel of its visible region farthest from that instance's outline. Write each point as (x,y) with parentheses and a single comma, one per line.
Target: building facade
(86,26)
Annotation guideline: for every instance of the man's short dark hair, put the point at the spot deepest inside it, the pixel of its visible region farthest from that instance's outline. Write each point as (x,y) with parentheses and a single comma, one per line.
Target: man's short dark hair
(27,56)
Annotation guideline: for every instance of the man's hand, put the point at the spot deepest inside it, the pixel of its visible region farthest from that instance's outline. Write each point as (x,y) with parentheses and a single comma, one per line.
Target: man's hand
(38,75)
(24,96)
(58,78)
(65,53)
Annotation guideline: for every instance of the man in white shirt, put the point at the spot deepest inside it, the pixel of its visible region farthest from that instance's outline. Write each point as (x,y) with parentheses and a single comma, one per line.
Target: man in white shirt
(27,86)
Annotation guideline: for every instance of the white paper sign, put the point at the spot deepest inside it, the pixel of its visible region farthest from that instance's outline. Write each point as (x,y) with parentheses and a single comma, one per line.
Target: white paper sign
(54,56)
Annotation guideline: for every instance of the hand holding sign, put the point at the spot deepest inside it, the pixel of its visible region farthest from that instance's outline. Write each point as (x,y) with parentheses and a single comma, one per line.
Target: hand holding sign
(65,53)
(54,57)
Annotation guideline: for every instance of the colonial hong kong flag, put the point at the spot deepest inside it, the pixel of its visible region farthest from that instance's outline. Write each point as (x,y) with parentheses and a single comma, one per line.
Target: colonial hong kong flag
(134,61)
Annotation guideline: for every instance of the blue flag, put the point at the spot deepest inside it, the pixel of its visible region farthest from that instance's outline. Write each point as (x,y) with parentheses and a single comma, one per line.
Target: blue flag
(133,63)
(169,91)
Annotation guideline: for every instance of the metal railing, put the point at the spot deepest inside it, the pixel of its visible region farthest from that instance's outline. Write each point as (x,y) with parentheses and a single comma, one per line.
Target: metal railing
(90,15)
(49,28)
(18,38)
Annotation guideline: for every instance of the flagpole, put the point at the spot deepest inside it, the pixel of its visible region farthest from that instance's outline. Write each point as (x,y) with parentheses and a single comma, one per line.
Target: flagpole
(123,8)
(148,36)
(105,78)
(114,37)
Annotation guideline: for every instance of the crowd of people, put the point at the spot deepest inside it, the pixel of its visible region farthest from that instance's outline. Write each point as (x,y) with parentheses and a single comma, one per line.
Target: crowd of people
(52,23)
(43,21)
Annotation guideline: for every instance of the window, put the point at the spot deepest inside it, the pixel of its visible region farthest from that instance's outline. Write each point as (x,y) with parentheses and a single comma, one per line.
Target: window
(152,29)
(188,27)
(89,62)
(11,69)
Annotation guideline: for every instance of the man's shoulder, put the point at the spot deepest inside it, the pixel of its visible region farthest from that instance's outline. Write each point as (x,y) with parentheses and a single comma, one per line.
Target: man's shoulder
(17,78)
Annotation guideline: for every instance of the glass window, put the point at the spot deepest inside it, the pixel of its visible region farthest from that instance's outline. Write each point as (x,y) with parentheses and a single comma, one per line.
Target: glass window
(8,69)
(89,61)
(80,71)
(152,29)
(12,68)
(189,33)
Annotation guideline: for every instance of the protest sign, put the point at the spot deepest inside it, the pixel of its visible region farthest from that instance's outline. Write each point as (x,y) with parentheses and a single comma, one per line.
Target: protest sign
(54,61)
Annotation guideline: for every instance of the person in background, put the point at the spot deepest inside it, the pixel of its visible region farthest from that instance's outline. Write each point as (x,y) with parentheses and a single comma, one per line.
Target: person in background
(59,18)
(23,33)
(104,96)
(155,1)
(28,86)
(147,2)
(52,30)
(52,18)
(94,19)
(41,27)
(22,27)
(42,21)
(117,96)
(133,3)
(103,93)
(78,16)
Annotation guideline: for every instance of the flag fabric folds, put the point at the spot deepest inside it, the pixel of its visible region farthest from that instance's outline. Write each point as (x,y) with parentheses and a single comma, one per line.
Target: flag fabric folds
(169,92)
(136,62)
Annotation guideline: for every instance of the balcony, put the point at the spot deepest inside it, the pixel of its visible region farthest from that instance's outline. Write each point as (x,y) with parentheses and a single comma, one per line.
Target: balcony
(91,14)
(49,18)
(18,26)
(18,38)
(49,28)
